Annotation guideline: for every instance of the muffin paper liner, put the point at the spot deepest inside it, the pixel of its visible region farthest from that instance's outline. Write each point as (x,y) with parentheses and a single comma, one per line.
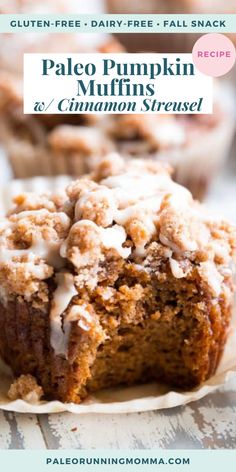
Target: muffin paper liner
(196,162)
(119,400)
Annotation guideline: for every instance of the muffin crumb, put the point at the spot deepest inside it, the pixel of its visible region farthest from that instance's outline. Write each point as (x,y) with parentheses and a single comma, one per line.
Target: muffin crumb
(25,388)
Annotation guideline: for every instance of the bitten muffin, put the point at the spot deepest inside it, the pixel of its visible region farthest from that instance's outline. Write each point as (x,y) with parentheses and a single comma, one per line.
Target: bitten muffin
(120,279)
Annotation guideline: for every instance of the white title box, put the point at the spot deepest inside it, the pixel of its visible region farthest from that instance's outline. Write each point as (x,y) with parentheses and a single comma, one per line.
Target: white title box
(115,83)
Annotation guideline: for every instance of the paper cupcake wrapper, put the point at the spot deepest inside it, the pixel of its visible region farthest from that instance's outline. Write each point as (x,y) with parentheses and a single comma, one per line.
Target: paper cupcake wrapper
(120,400)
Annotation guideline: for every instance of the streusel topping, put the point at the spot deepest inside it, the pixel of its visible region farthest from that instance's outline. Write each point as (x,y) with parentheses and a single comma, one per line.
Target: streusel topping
(123,211)
(120,209)
(26,388)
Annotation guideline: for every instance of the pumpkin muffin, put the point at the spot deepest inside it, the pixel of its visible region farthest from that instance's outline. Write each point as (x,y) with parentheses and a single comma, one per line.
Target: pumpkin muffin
(166,42)
(120,279)
(196,146)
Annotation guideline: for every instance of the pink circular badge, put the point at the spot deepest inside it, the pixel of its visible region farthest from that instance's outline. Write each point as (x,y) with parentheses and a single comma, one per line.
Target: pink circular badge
(214,54)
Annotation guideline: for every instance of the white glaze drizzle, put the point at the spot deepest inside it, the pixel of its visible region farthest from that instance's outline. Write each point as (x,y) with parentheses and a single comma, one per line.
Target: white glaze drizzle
(47,250)
(62,297)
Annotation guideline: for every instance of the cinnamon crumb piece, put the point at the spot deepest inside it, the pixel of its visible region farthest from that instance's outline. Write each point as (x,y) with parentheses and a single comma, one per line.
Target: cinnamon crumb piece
(26,388)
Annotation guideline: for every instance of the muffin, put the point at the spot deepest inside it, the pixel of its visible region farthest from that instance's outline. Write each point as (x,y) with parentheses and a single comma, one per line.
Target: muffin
(195,145)
(25,137)
(14,45)
(166,42)
(120,279)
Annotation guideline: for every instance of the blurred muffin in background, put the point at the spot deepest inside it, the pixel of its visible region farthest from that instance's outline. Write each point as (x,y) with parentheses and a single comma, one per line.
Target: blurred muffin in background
(171,6)
(166,42)
(194,145)
(14,45)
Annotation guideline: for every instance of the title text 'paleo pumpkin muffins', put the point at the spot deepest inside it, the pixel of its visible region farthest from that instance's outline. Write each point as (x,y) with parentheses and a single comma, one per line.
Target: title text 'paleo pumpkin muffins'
(14,45)
(195,145)
(119,279)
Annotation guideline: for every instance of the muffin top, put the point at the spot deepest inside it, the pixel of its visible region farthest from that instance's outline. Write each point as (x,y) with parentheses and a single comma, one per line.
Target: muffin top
(123,211)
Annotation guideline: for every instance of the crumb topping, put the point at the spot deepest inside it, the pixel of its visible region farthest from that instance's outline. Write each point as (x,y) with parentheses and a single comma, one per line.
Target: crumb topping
(122,213)
(86,139)
(25,388)
(130,135)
